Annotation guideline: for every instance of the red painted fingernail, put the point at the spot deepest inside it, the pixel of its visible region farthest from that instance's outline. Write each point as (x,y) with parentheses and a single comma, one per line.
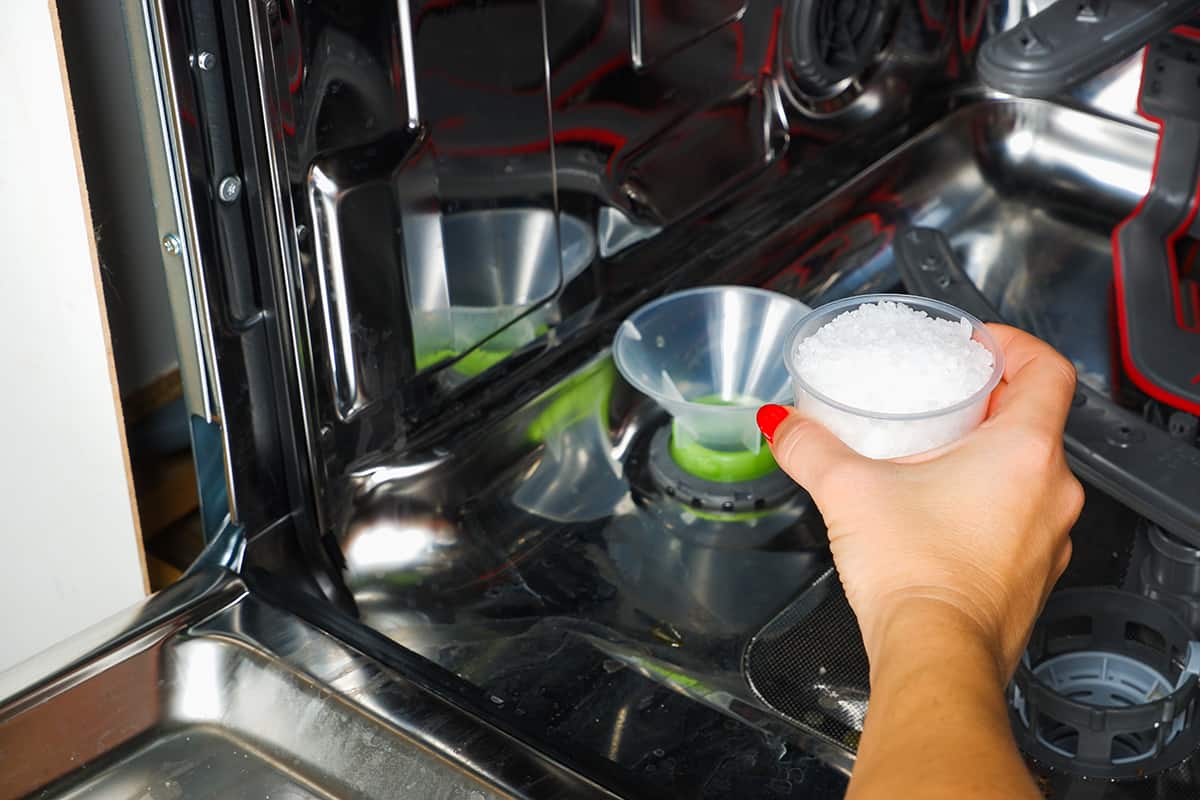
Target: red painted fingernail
(768,418)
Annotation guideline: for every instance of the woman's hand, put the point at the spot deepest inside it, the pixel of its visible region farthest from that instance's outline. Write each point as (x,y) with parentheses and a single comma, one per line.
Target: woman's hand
(946,559)
(978,528)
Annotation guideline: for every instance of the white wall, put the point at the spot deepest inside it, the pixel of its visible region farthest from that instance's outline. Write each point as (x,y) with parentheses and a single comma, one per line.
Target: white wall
(69,547)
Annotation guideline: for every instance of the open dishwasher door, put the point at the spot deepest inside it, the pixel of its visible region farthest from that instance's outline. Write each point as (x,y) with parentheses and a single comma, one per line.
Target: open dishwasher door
(456,512)
(211,690)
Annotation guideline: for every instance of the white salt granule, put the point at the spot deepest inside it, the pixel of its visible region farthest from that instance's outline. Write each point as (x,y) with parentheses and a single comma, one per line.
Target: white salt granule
(887,357)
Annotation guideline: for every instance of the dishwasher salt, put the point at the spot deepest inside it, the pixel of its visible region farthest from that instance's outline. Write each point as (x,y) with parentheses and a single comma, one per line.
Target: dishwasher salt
(889,358)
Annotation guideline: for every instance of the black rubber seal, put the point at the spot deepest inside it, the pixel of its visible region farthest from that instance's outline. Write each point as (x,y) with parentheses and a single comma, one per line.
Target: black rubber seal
(832,41)
(770,491)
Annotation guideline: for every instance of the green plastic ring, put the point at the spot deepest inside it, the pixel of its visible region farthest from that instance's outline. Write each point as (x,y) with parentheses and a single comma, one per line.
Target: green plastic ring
(722,466)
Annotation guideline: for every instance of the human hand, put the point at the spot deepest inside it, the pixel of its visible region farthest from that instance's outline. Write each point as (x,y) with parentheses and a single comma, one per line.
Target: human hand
(976,530)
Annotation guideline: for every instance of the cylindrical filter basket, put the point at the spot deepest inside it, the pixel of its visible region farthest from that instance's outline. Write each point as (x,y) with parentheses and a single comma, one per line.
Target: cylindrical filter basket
(1107,686)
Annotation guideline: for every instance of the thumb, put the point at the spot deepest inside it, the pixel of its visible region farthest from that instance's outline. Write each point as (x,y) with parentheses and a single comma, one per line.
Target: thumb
(807,451)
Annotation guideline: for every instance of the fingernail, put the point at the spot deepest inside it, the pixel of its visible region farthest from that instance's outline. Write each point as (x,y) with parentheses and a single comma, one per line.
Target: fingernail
(768,418)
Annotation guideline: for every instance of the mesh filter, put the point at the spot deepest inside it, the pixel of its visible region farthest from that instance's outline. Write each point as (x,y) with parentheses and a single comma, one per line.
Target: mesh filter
(808,664)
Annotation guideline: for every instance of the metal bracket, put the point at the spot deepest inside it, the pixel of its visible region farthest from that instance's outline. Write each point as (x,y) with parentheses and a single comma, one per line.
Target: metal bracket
(225,551)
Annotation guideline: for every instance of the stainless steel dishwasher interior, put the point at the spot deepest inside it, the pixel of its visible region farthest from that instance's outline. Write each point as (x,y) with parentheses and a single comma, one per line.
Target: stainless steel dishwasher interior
(1028,193)
(205,717)
(251,701)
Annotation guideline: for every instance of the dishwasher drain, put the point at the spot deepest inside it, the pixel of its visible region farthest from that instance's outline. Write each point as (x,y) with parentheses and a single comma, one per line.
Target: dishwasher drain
(1107,687)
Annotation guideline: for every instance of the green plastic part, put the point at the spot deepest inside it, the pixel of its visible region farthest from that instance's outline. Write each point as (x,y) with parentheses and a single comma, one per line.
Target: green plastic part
(674,677)
(405,578)
(721,466)
(475,362)
(730,516)
(585,395)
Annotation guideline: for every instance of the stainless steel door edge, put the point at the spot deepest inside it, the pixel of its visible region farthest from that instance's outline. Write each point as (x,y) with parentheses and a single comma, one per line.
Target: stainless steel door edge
(192,335)
(159,79)
(207,690)
(72,660)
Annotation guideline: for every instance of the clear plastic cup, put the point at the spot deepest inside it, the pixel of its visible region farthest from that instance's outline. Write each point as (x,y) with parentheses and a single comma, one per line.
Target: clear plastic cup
(887,435)
(710,356)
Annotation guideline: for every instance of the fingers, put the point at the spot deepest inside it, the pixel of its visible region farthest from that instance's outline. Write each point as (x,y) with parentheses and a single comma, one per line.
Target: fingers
(806,450)
(1038,383)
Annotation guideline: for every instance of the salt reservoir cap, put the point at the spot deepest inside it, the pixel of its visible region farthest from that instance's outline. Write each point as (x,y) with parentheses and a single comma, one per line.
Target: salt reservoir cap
(710,356)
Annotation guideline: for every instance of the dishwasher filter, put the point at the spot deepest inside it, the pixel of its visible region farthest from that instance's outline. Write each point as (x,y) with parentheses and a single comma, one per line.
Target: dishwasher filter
(1107,686)
(808,664)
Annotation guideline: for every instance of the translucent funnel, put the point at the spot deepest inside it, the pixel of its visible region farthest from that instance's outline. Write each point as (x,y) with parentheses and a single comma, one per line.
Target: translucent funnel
(710,356)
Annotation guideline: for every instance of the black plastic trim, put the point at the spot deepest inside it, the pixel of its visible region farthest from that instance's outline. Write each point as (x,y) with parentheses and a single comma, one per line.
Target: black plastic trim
(1111,448)
(1073,40)
(820,59)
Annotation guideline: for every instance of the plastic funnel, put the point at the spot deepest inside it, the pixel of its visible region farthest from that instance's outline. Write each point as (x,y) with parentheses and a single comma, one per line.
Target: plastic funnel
(711,357)
(502,267)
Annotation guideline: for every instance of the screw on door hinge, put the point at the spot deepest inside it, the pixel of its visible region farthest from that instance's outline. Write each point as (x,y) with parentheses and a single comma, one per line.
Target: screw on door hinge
(229,189)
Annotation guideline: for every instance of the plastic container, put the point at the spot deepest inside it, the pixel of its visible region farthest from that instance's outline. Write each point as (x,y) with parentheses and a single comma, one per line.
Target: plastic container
(710,356)
(886,435)
(501,269)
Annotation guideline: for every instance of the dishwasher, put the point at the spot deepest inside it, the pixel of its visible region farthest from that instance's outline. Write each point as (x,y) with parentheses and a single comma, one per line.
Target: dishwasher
(451,552)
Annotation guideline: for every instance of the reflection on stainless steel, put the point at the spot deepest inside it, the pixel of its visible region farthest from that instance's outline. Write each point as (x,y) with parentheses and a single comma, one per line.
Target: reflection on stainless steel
(370,478)
(659,29)
(1027,193)
(826,71)
(618,232)
(489,522)
(500,265)
(228,696)
(408,62)
(699,574)
(1112,92)
(846,704)
(395,544)
(331,274)
(375,145)
(225,550)
(577,477)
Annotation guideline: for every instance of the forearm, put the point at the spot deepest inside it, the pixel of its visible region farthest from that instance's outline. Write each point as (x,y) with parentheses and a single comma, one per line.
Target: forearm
(937,726)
